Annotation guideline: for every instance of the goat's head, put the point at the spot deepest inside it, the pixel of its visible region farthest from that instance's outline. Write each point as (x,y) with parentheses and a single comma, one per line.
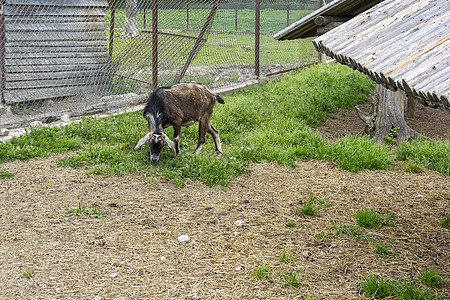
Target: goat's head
(156,142)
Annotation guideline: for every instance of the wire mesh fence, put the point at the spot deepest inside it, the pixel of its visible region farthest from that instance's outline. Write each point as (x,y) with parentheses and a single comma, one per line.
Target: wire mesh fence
(74,57)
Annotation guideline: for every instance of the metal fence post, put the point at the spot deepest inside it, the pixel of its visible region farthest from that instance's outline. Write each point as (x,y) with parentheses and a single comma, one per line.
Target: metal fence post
(257,37)
(154,44)
(287,17)
(111,28)
(236,18)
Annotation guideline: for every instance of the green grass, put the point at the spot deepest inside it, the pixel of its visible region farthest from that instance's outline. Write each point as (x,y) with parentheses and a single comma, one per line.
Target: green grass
(286,257)
(445,221)
(261,272)
(380,288)
(292,278)
(434,155)
(273,122)
(28,274)
(370,218)
(382,248)
(81,209)
(431,278)
(291,223)
(272,20)
(5,174)
(311,206)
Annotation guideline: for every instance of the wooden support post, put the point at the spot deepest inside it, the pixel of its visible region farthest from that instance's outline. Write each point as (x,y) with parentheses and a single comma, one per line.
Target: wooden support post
(154,44)
(387,116)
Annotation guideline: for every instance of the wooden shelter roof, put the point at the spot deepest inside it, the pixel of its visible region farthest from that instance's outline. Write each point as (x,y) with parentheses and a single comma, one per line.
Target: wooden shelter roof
(398,43)
(306,27)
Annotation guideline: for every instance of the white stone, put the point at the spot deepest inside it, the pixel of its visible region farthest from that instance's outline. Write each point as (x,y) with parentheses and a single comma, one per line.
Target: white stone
(389,192)
(65,118)
(113,275)
(36,124)
(238,268)
(184,238)
(163,258)
(240,223)
(4,132)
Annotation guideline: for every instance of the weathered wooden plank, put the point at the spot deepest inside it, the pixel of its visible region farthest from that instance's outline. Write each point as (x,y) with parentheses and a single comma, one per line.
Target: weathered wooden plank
(62,82)
(54,36)
(18,51)
(56,45)
(61,26)
(56,61)
(24,11)
(67,66)
(49,54)
(88,3)
(32,19)
(15,96)
(25,76)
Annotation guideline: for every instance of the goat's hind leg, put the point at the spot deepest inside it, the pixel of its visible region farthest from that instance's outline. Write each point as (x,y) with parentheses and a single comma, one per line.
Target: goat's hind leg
(215,134)
(202,129)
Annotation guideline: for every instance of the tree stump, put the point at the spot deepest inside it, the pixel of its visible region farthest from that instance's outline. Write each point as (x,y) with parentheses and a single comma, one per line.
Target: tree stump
(386,122)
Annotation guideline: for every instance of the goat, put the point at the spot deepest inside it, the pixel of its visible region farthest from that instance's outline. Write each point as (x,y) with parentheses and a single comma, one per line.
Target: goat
(180,105)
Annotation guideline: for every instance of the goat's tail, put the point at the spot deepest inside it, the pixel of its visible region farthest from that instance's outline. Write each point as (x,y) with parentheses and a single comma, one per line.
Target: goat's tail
(219,99)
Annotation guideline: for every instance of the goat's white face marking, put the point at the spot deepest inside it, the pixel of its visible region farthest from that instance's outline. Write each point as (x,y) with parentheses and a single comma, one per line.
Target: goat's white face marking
(156,143)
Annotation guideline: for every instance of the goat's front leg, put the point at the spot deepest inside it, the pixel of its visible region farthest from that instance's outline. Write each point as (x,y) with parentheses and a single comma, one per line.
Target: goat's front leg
(176,137)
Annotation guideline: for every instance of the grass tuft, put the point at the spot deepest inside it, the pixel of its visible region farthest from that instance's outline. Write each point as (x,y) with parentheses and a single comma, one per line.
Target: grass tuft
(292,279)
(5,174)
(28,274)
(431,278)
(81,209)
(431,154)
(382,288)
(311,206)
(382,248)
(445,221)
(286,257)
(261,272)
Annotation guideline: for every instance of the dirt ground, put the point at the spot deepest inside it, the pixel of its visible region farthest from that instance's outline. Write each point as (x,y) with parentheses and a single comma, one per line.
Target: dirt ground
(133,252)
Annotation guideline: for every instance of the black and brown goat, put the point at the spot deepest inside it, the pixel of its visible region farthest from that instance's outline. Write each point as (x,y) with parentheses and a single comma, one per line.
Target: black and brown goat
(180,105)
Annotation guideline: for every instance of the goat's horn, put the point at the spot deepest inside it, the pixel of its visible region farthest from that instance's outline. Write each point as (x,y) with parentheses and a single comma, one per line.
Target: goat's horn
(142,141)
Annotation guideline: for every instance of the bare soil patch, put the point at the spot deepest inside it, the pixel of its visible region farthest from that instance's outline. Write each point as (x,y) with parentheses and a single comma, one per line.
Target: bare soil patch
(133,252)
(430,122)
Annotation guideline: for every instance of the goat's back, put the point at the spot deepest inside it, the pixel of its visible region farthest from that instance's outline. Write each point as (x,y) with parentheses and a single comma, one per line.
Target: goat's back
(185,102)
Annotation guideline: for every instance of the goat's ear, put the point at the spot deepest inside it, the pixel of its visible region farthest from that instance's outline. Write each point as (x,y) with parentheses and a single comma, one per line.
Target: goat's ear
(170,144)
(142,141)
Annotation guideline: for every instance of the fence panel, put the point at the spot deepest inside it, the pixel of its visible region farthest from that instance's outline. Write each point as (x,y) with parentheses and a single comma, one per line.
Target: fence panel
(82,56)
